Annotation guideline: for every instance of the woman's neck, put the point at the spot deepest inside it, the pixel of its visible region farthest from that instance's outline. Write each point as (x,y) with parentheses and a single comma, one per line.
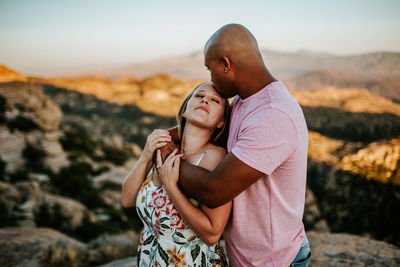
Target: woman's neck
(195,139)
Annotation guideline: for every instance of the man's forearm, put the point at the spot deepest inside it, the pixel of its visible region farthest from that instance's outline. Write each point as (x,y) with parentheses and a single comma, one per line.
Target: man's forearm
(173,131)
(217,187)
(195,182)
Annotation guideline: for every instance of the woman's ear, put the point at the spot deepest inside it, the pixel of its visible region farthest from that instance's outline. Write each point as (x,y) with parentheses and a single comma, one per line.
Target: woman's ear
(220,125)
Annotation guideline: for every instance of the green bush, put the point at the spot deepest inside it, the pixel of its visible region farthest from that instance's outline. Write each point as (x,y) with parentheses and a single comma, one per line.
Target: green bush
(22,123)
(52,216)
(2,169)
(19,175)
(75,182)
(34,158)
(78,139)
(114,155)
(3,102)
(108,185)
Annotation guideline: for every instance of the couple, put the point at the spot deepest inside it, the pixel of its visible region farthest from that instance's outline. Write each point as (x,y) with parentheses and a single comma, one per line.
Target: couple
(254,193)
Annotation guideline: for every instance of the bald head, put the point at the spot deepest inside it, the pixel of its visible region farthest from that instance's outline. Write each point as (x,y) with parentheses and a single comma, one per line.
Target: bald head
(235,42)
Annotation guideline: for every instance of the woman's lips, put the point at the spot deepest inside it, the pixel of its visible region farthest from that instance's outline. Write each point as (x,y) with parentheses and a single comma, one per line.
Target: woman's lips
(203,108)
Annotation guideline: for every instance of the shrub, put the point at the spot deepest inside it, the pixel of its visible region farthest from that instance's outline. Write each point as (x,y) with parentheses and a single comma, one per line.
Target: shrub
(22,123)
(34,158)
(114,155)
(3,102)
(19,175)
(74,181)
(52,216)
(78,139)
(2,169)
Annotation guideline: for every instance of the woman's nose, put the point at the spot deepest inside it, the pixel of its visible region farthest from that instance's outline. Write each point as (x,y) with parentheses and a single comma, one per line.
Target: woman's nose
(204,100)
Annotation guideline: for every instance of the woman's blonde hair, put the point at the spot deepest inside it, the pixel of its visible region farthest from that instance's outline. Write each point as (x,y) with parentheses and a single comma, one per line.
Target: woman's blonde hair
(220,135)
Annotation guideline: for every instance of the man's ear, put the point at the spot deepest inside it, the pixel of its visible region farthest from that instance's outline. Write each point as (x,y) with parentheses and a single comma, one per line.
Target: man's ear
(227,63)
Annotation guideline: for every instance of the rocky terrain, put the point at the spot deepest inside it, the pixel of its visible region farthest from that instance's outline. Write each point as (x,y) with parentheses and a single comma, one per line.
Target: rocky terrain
(67,144)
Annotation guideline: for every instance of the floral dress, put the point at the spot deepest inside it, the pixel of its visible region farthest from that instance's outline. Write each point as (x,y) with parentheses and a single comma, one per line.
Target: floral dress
(165,239)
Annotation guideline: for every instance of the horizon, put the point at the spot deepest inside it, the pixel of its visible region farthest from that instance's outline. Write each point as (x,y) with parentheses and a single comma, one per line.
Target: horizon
(50,38)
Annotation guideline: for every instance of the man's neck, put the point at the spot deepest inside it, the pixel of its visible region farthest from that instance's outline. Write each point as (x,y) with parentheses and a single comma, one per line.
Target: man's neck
(255,82)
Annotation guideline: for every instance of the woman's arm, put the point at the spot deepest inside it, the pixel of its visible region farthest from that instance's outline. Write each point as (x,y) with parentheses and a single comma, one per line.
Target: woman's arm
(207,223)
(132,183)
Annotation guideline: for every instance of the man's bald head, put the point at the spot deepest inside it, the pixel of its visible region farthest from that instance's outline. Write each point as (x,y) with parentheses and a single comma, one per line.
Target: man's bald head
(235,42)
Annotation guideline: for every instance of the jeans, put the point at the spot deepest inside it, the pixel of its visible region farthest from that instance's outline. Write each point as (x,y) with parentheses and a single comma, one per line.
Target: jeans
(303,257)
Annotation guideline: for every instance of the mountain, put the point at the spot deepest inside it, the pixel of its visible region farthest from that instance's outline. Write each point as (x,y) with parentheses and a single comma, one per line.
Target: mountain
(7,74)
(382,65)
(389,88)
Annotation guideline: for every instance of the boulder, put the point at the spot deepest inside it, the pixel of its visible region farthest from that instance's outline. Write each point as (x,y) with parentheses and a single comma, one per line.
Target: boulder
(29,101)
(33,247)
(12,145)
(110,247)
(334,250)
(69,208)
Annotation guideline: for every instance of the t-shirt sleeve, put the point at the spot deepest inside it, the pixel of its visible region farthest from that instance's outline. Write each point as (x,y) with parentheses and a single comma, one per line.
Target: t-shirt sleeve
(266,139)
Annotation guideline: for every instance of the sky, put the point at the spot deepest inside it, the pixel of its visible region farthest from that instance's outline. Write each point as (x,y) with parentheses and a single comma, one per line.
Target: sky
(54,37)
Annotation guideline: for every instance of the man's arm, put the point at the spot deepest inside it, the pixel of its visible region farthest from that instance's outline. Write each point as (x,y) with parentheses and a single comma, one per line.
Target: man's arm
(215,188)
(173,131)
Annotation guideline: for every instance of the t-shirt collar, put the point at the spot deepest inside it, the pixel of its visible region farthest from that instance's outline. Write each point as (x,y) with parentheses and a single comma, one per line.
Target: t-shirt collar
(254,96)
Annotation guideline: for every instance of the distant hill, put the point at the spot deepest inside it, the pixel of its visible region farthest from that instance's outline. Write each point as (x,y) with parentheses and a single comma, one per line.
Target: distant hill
(7,74)
(382,65)
(389,88)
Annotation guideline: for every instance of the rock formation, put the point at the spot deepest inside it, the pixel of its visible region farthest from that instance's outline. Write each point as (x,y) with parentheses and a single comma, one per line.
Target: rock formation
(30,117)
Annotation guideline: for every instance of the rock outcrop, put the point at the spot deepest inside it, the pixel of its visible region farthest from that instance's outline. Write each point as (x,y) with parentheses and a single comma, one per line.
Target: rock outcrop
(379,161)
(335,250)
(33,247)
(30,117)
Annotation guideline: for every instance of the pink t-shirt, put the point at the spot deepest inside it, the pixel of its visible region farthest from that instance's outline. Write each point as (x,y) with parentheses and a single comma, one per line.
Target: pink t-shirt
(268,132)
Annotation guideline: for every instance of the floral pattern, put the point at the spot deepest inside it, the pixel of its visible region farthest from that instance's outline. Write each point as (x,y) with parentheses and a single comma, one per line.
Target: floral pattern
(165,239)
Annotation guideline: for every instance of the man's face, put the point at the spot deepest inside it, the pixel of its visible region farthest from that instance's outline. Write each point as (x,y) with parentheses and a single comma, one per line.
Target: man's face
(218,76)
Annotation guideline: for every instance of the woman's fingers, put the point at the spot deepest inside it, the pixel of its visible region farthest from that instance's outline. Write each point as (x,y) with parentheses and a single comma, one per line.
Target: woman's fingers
(177,162)
(170,156)
(158,159)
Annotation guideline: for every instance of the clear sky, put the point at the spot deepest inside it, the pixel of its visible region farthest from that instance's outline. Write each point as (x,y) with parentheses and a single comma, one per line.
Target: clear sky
(49,37)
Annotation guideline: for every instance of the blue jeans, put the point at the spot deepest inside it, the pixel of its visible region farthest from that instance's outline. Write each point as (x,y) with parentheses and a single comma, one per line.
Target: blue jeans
(303,257)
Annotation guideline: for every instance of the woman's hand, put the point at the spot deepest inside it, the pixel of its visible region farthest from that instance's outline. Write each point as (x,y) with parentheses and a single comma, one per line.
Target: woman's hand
(169,170)
(158,138)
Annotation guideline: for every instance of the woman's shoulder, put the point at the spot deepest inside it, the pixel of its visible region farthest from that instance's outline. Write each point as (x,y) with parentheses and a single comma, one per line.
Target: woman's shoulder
(212,157)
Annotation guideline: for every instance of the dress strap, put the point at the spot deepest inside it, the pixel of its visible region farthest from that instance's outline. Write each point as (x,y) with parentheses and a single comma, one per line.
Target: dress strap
(201,157)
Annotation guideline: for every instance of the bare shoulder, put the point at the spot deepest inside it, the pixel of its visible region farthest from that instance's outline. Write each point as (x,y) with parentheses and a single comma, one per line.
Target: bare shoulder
(212,158)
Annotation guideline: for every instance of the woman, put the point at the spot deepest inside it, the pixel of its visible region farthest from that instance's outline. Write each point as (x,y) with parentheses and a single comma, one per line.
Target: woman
(176,230)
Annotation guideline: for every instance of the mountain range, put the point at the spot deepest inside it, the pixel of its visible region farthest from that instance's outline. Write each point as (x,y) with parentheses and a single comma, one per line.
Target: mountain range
(377,65)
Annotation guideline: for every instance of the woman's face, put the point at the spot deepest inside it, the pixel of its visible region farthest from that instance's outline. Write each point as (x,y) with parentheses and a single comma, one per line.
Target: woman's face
(205,108)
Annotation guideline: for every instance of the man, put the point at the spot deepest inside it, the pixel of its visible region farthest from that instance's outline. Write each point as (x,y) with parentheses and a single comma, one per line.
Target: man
(264,171)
